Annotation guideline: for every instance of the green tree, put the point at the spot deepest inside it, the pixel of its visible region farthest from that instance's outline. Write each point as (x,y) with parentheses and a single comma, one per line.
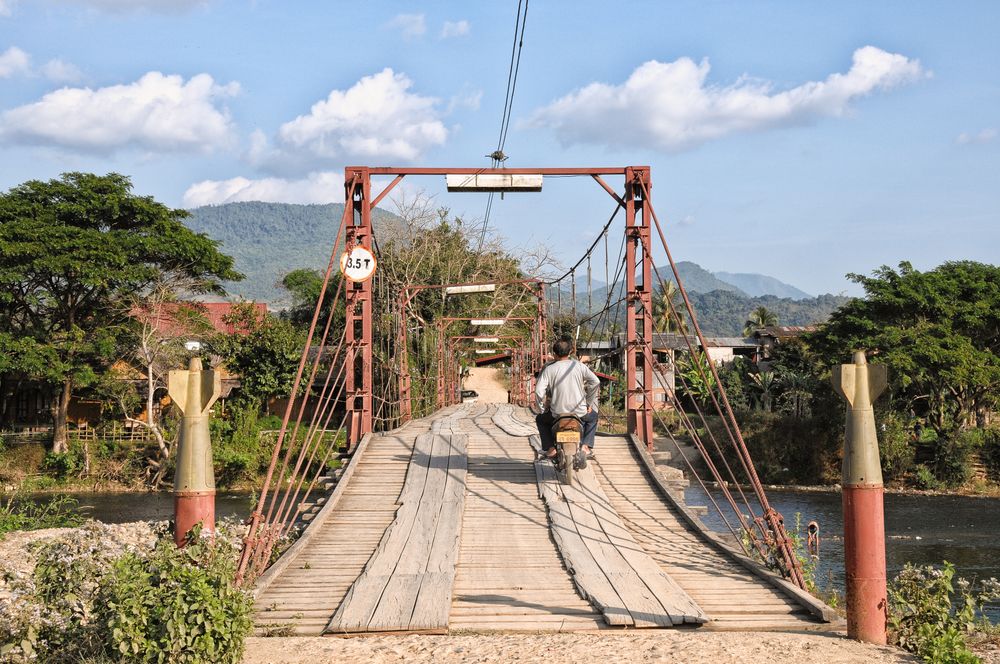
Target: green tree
(71,250)
(937,331)
(664,304)
(759,318)
(264,351)
(305,285)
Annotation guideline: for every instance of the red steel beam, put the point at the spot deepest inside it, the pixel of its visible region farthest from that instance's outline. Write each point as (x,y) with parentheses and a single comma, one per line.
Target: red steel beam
(358,300)
(638,321)
(545,170)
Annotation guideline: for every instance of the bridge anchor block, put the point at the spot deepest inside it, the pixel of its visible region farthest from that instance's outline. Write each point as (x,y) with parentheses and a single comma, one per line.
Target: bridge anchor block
(864,520)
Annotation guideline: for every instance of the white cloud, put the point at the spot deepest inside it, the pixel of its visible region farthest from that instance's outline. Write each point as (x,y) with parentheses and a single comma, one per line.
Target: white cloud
(157,113)
(470,100)
(982,136)
(7,7)
(377,118)
(454,29)
(14,61)
(124,6)
(410,26)
(319,187)
(670,106)
(316,188)
(60,71)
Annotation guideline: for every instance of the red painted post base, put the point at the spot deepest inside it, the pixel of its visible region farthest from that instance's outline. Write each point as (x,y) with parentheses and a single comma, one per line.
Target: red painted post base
(190,509)
(864,563)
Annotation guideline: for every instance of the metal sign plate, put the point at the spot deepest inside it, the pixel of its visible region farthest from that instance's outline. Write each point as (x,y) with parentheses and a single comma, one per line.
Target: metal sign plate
(358,264)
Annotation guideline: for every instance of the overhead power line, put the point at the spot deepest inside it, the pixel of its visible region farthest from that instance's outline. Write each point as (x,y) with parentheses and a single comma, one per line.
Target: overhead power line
(497,156)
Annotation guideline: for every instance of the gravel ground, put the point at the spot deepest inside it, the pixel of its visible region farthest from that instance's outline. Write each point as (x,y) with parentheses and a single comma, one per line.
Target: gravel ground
(660,646)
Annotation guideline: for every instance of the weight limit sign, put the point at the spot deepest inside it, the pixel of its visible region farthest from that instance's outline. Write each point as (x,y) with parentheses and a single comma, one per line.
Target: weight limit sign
(358,264)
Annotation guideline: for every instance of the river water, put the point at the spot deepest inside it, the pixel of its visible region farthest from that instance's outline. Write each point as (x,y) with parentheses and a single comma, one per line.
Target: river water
(920,529)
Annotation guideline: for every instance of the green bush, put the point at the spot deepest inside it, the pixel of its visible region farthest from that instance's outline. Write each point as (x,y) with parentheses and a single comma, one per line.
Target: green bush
(931,612)
(953,457)
(62,464)
(21,513)
(895,449)
(924,478)
(86,602)
(175,606)
(990,452)
(786,449)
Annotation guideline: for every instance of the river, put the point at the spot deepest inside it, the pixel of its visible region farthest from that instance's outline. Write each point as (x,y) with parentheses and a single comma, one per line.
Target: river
(920,529)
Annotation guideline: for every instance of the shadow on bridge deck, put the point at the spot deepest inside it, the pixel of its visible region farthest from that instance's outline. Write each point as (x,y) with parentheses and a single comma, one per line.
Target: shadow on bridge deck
(509,573)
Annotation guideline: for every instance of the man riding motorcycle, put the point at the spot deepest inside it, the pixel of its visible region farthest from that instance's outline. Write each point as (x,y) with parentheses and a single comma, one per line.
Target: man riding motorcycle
(566,387)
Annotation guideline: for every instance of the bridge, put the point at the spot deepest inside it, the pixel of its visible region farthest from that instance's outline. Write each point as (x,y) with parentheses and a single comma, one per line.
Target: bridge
(443,517)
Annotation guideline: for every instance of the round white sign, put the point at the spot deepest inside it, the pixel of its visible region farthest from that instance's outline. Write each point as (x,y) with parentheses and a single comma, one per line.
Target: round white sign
(358,264)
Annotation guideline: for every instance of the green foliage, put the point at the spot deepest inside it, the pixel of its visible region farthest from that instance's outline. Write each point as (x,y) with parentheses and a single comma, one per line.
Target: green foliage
(936,333)
(759,318)
(895,443)
(953,457)
(62,464)
(164,605)
(305,285)
(925,479)
(175,605)
(991,452)
(237,453)
(265,355)
(790,450)
(931,612)
(72,251)
(19,512)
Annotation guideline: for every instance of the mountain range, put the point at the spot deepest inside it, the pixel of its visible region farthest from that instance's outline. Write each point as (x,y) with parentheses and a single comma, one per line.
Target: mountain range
(268,240)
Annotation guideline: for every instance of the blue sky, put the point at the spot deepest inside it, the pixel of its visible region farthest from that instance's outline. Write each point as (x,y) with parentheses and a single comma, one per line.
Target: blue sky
(802,140)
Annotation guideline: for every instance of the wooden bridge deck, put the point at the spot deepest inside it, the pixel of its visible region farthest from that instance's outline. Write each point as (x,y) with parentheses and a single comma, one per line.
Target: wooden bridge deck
(510,572)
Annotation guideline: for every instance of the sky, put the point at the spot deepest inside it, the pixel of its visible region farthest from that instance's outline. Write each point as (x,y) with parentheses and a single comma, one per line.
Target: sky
(802,140)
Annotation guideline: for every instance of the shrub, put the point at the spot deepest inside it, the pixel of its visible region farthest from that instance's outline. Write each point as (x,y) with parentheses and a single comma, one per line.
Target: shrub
(953,457)
(21,513)
(925,479)
(86,600)
(991,452)
(895,451)
(175,606)
(926,617)
(61,464)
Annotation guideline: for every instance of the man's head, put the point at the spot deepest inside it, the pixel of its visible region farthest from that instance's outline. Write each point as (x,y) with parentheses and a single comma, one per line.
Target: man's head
(563,347)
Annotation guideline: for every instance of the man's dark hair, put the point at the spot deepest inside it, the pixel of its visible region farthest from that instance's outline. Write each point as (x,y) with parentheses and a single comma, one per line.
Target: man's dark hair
(563,347)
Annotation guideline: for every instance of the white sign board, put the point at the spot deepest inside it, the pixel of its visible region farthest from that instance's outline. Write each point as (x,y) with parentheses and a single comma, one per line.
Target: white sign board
(358,264)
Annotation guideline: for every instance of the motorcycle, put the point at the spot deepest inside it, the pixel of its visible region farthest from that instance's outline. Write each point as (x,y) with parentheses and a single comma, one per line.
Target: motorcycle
(567,430)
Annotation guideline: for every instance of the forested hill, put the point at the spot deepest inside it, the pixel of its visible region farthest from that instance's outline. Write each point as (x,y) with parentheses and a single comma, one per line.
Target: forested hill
(723,313)
(269,240)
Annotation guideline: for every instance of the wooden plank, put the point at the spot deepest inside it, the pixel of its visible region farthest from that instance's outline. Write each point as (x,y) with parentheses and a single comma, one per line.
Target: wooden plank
(588,576)
(275,570)
(671,597)
(395,606)
(356,611)
(431,608)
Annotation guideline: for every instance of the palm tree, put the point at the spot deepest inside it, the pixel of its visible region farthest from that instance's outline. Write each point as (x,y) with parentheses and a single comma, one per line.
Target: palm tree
(758,318)
(765,383)
(663,319)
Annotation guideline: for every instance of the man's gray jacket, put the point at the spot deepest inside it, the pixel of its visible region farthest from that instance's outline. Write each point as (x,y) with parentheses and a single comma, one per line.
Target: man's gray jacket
(570,387)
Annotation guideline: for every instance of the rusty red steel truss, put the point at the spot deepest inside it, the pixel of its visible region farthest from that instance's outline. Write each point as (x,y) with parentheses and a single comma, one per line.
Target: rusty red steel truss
(537,342)
(352,364)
